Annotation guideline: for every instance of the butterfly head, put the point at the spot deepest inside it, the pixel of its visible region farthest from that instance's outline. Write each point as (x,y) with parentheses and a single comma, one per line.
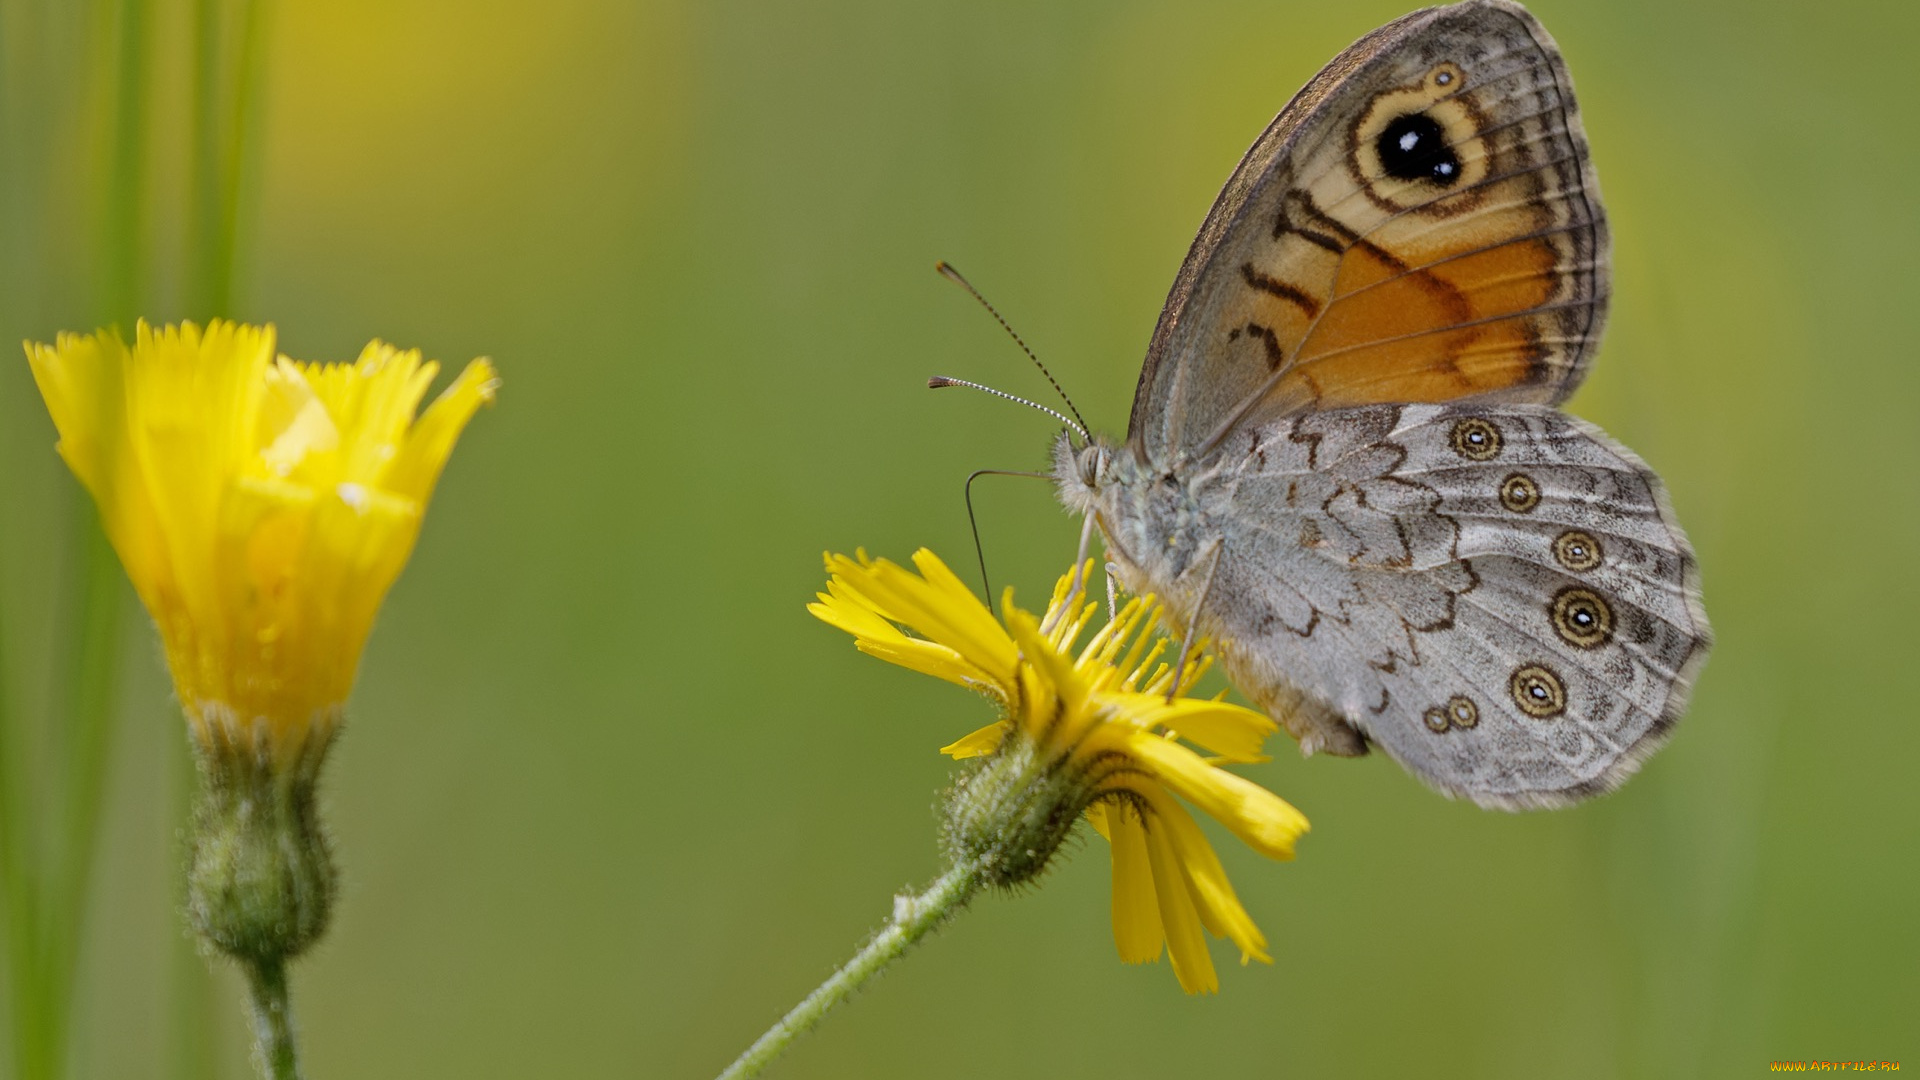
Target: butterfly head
(1082,470)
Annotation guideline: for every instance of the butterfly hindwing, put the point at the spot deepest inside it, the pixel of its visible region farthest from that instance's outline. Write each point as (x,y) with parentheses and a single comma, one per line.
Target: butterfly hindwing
(1497,595)
(1420,223)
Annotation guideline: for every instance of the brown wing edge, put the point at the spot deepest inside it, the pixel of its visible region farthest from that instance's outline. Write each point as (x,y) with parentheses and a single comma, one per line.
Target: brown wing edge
(1602,235)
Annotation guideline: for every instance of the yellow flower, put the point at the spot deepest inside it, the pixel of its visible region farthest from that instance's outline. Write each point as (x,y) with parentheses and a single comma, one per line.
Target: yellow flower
(1095,731)
(261,506)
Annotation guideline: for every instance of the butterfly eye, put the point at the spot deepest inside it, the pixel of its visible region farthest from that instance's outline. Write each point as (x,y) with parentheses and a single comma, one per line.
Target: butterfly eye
(1093,464)
(1414,147)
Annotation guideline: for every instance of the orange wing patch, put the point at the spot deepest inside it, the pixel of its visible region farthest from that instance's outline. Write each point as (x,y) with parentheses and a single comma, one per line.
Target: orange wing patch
(1451,262)
(1459,326)
(1468,308)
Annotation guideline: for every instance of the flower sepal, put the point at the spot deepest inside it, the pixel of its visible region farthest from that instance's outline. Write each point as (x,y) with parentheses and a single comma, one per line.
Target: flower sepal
(1012,811)
(260,876)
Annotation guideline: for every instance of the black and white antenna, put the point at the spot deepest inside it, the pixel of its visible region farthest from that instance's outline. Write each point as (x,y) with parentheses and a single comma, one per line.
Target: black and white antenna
(1078,423)
(938,381)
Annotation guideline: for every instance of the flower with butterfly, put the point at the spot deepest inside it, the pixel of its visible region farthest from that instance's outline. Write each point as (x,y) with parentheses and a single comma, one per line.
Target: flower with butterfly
(1099,731)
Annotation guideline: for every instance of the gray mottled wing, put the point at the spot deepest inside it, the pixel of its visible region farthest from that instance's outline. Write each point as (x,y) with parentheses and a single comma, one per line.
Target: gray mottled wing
(1497,595)
(1419,224)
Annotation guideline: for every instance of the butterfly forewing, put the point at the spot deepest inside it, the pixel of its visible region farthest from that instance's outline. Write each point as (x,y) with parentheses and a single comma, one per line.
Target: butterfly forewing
(1420,224)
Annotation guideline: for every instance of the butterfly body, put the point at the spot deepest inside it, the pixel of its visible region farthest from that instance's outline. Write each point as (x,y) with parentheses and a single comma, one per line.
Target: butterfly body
(1344,463)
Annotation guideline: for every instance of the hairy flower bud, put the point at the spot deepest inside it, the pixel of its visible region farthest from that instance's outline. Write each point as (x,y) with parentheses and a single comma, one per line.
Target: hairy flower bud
(260,877)
(1011,813)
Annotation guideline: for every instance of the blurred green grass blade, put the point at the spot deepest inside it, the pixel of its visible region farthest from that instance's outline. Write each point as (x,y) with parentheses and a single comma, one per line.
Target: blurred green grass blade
(94,596)
(227,77)
(17,866)
(93,679)
(122,246)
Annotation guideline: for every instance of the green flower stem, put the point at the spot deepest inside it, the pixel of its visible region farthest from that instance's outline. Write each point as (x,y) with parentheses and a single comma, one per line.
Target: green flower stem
(272,1015)
(914,917)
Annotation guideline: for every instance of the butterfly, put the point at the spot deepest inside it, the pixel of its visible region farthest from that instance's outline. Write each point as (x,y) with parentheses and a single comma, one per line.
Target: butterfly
(1344,463)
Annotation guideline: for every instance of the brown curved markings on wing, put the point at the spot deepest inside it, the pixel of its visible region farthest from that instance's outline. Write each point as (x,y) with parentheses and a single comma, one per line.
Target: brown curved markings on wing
(1324,278)
(1426,305)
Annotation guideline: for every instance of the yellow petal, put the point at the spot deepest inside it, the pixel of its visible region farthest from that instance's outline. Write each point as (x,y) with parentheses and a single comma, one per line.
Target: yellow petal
(1266,822)
(192,399)
(294,422)
(430,442)
(82,377)
(835,609)
(372,402)
(1060,691)
(940,609)
(956,616)
(1186,943)
(1213,894)
(979,742)
(1096,816)
(1233,732)
(845,607)
(1137,933)
(929,658)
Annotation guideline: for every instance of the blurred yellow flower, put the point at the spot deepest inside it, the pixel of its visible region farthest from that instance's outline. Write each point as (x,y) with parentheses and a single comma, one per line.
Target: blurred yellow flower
(262,506)
(1102,735)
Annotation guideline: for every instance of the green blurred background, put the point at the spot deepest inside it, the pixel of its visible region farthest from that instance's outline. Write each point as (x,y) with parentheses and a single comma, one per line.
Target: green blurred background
(610,801)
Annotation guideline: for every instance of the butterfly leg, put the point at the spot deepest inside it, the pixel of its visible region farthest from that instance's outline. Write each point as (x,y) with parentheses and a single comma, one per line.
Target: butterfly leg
(1193,624)
(1079,577)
